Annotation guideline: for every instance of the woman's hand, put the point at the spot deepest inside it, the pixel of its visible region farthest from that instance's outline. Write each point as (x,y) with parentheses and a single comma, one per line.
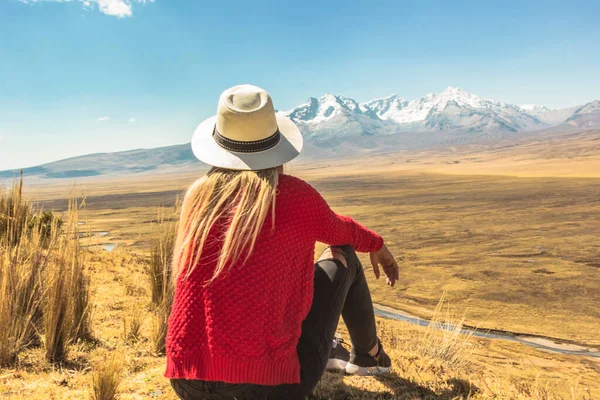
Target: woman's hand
(384,258)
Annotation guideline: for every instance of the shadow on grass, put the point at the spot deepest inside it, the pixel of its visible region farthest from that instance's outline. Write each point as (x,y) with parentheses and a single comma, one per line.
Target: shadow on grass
(332,387)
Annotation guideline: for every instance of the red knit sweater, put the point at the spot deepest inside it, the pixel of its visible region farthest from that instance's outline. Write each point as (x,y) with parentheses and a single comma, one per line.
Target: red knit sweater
(244,327)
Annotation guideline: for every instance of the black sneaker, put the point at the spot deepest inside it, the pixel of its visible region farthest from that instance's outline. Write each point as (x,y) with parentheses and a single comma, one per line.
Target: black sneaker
(365,364)
(339,356)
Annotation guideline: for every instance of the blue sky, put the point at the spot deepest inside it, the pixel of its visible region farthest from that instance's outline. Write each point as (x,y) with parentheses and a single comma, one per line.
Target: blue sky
(81,76)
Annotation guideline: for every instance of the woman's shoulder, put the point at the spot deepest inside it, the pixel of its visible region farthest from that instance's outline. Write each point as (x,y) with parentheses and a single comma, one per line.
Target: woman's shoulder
(297,188)
(293,183)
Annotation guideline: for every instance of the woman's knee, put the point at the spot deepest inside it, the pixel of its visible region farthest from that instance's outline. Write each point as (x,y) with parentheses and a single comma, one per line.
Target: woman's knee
(344,253)
(331,253)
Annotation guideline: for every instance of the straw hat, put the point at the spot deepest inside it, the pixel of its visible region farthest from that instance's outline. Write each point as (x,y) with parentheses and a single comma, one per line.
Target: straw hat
(246,133)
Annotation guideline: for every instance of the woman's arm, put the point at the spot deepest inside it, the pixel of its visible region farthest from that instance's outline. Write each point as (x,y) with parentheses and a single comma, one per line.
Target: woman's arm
(334,229)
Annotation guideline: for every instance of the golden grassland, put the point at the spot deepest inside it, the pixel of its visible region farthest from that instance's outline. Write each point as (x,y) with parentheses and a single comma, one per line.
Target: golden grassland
(517,253)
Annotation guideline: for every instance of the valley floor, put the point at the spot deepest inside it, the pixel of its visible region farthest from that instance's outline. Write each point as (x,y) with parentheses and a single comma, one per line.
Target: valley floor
(514,253)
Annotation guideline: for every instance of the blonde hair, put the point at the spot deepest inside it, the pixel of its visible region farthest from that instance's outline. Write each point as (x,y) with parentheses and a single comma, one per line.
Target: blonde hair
(240,199)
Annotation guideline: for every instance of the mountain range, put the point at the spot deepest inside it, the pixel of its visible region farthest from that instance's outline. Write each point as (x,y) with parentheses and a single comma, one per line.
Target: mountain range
(453,111)
(338,126)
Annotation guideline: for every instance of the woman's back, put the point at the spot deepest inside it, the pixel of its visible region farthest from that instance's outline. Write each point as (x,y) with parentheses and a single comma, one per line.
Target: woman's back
(244,326)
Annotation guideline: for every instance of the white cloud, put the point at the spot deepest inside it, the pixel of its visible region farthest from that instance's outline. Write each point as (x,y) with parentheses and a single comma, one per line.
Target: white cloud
(132,119)
(117,8)
(103,118)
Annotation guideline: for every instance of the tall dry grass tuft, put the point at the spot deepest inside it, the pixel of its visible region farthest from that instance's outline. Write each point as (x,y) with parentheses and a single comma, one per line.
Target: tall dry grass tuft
(446,339)
(57,321)
(21,288)
(44,288)
(79,279)
(159,272)
(23,260)
(161,255)
(15,213)
(132,324)
(160,321)
(66,308)
(106,378)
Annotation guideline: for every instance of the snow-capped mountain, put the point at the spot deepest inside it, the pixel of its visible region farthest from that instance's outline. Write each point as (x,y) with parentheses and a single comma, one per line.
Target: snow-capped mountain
(387,108)
(453,111)
(535,109)
(337,116)
(586,116)
(428,107)
(547,115)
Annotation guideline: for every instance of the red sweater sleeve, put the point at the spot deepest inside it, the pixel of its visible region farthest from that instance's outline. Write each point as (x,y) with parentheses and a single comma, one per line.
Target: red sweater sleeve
(334,229)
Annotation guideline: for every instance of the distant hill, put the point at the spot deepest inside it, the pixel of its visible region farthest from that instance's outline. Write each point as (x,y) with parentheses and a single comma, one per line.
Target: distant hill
(123,162)
(337,126)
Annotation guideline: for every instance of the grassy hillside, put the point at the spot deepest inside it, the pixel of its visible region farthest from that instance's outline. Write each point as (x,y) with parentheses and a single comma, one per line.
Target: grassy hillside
(124,162)
(467,368)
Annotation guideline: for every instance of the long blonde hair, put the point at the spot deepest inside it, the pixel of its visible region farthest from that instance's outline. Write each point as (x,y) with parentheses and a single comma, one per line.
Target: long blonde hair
(241,199)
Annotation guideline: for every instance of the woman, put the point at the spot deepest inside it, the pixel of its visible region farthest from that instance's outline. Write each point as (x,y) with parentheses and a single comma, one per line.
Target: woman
(252,316)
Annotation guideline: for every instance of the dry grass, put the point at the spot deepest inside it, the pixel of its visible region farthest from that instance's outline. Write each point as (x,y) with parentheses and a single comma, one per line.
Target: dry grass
(106,377)
(22,262)
(57,321)
(497,369)
(133,323)
(15,213)
(79,279)
(66,306)
(446,339)
(44,289)
(161,253)
(159,272)
(493,370)
(20,293)
(158,336)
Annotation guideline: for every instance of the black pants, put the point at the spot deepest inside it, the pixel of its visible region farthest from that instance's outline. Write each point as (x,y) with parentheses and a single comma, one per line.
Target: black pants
(337,291)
